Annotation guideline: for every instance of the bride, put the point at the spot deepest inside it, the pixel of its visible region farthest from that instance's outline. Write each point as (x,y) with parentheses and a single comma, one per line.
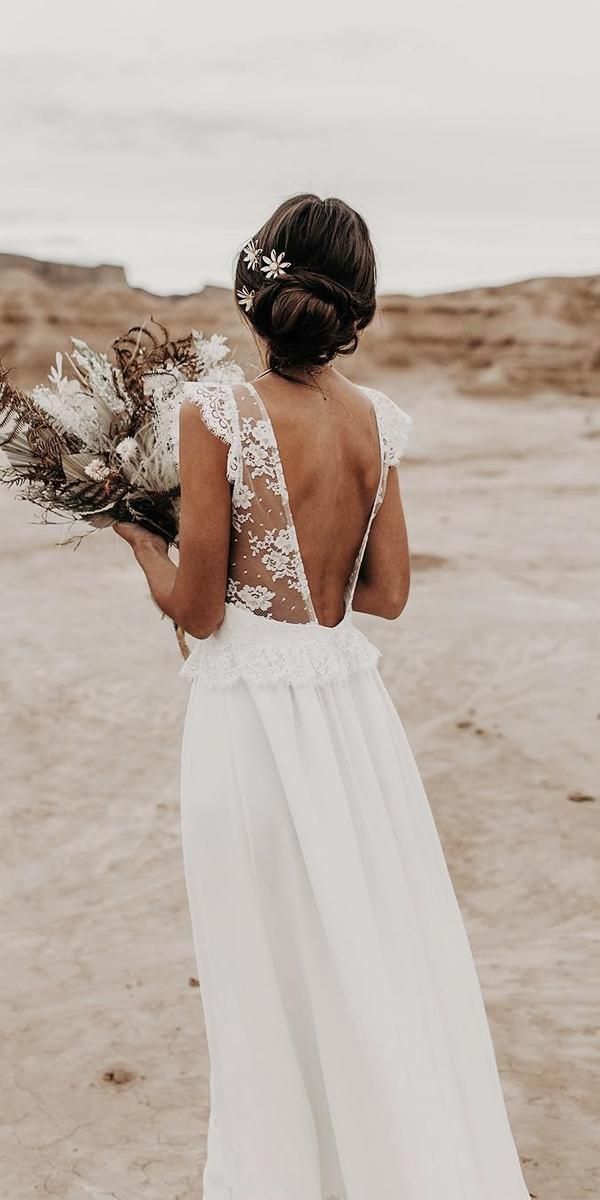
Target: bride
(349,1047)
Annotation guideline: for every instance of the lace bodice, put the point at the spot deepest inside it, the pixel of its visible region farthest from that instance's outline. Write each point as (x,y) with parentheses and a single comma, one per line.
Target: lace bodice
(266,573)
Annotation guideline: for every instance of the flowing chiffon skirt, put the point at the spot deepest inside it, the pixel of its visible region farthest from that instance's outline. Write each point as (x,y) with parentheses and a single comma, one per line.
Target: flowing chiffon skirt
(349,1047)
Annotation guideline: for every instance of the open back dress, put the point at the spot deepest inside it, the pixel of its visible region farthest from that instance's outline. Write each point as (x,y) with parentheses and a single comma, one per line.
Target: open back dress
(350,1053)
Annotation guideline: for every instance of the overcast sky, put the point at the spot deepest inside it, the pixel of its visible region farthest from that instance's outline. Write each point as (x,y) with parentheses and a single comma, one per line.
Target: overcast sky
(159,134)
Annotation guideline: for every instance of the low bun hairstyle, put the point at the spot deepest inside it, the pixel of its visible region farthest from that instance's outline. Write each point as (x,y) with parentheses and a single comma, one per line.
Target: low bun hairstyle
(318,307)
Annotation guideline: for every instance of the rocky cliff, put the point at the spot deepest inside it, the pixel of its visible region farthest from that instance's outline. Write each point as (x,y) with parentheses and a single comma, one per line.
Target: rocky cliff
(535,335)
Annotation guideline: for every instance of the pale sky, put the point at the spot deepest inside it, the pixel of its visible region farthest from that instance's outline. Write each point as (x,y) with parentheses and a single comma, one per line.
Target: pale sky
(159,134)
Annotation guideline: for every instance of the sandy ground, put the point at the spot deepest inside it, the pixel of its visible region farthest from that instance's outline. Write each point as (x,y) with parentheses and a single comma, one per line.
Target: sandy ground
(104,1071)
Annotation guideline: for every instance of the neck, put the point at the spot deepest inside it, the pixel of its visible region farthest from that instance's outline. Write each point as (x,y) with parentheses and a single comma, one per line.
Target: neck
(305,376)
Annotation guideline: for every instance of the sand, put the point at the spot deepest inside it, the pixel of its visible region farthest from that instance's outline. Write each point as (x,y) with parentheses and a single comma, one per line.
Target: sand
(105,1071)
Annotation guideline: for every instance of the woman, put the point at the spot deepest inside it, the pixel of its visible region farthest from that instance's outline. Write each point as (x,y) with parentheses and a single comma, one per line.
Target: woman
(349,1047)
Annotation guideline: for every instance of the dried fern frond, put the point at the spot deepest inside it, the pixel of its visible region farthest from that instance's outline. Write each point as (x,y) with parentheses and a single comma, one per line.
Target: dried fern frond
(101,445)
(25,429)
(148,348)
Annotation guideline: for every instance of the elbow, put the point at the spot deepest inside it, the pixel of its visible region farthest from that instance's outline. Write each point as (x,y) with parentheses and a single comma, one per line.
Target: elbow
(379,602)
(383,599)
(393,601)
(393,606)
(200,622)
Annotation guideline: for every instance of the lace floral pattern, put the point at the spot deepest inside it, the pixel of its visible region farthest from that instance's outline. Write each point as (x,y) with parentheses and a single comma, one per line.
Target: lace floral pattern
(240,511)
(277,551)
(260,453)
(216,402)
(257,598)
(266,573)
(223,659)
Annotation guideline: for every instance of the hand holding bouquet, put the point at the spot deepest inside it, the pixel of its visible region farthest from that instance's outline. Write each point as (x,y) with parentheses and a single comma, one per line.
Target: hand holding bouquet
(100,444)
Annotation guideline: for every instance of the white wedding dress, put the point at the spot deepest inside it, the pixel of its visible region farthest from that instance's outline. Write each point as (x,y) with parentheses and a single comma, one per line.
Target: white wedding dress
(349,1047)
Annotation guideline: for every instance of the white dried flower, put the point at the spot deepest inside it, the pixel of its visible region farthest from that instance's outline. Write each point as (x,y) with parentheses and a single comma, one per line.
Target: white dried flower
(99,375)
(65,388)
(215,349)
(73,411)
(97,470)
(227,372)
(126,448)
(160,384)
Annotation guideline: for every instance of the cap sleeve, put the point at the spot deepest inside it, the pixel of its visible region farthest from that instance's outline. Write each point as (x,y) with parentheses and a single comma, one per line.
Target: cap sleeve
(214,401)
(394,427)
(218,410)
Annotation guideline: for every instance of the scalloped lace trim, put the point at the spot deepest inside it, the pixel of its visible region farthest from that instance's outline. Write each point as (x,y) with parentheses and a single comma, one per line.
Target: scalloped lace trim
(219,413)
(214,401)
(332,659)
(394,425)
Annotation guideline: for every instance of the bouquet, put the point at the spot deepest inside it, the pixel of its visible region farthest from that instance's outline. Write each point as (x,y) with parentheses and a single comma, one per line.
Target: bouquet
(100,444)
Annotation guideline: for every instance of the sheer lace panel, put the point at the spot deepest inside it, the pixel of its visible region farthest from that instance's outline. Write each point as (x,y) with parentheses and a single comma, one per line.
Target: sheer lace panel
(266,573)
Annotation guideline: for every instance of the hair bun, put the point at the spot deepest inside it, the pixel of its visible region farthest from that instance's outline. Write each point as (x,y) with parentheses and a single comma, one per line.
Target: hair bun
(306,318)
(321,292)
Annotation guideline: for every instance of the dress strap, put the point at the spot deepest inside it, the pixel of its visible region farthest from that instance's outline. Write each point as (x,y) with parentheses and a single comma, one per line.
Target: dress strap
(393,425)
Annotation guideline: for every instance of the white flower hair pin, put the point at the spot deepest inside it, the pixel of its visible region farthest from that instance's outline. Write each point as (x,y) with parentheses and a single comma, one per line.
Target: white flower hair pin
(274,264)
(274,267)
(246,298)
(252,254)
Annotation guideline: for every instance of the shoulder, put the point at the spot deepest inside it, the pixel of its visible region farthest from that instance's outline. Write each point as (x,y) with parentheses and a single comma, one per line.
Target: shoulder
(215,402)
(394,425)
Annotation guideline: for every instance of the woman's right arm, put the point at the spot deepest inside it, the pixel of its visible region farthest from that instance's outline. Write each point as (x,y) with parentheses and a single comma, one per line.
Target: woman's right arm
(384,579)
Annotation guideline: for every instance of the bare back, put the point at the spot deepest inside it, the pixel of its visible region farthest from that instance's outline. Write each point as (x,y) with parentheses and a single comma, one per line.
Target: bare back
(308,477)
(331,458)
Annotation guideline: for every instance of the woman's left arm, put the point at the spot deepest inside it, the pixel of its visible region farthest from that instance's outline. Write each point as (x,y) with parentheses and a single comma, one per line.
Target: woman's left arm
(192,593)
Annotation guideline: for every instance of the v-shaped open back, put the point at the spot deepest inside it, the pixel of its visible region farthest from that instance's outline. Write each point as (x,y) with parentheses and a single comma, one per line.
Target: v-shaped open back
(266,570)
(288,515)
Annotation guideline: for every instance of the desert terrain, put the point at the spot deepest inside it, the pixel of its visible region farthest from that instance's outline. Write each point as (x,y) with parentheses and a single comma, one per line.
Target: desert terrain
(493,668)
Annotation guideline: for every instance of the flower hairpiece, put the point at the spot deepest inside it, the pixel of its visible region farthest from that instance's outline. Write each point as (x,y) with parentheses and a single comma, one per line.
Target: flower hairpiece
(273,267)
(274,264)
(252,254)
(246,298)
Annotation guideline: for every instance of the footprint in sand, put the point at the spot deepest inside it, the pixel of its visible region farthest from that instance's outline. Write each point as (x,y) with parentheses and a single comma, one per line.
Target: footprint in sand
(119,1076)
(466,724)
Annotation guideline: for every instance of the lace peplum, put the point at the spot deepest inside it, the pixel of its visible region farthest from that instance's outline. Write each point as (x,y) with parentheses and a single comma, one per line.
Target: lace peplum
(266,576)
(266,652)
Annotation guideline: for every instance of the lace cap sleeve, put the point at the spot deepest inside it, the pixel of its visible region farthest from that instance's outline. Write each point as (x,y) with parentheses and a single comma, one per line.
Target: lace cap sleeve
(218,409)
(394,425)
(214,401)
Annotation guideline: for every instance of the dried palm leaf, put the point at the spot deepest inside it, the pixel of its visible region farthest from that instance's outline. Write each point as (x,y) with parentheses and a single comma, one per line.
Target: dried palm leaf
(101,445)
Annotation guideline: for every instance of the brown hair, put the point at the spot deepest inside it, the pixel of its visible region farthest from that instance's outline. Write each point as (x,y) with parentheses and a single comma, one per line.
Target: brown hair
(327,294)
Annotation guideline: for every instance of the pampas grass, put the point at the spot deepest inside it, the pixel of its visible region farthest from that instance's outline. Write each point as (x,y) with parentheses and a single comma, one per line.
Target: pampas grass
(99,443)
